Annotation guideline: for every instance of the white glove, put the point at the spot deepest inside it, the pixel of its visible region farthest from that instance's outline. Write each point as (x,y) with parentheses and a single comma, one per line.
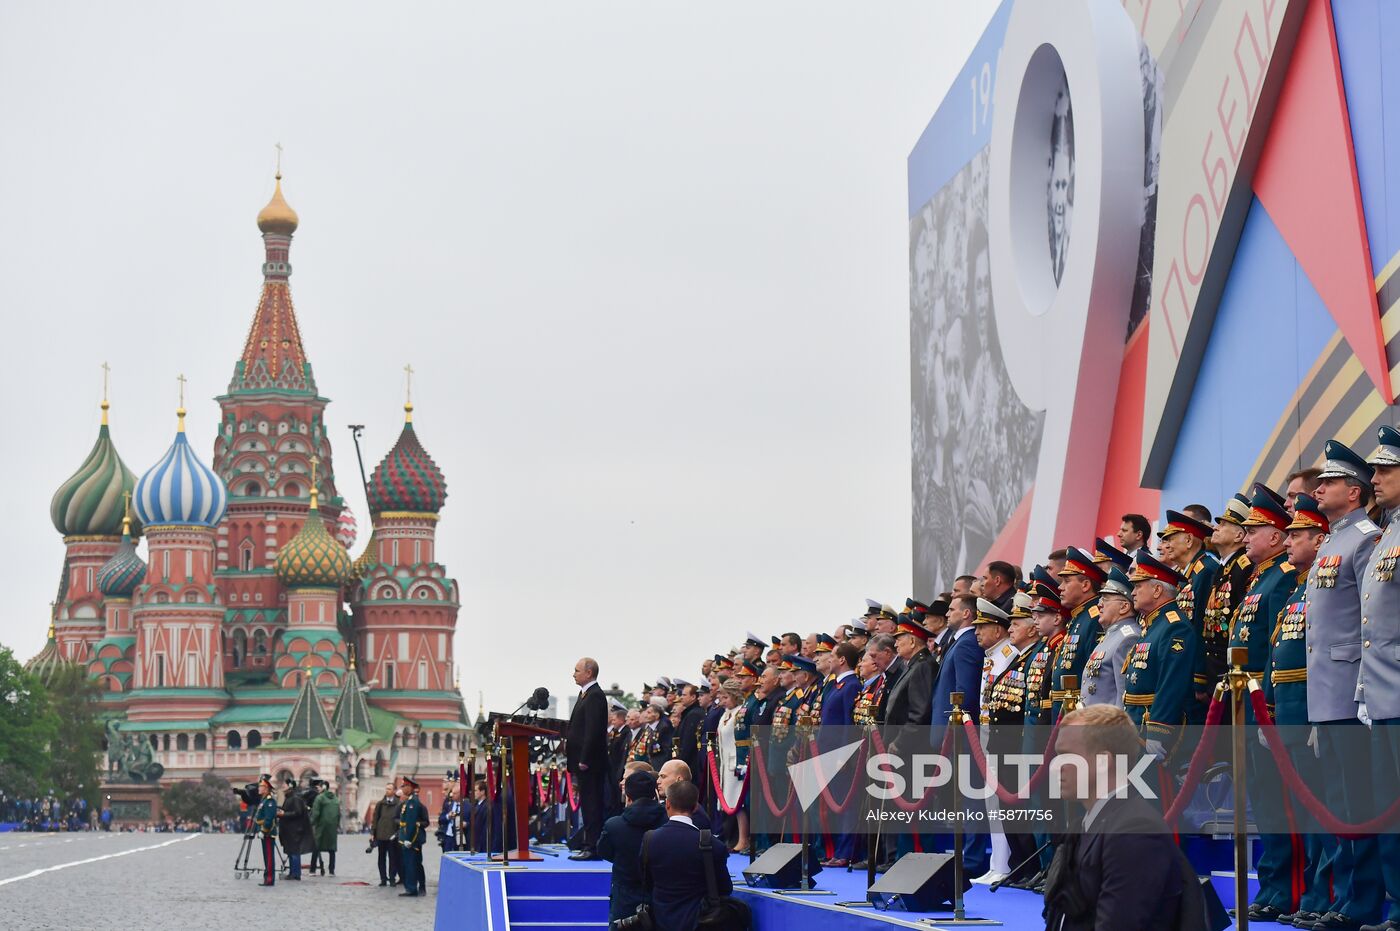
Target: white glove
(1156,748)
(1361,714)
(741,771)
(1263,741)
(1312,742)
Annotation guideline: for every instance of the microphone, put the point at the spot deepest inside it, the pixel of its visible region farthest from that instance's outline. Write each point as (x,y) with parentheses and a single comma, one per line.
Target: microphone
(539,701)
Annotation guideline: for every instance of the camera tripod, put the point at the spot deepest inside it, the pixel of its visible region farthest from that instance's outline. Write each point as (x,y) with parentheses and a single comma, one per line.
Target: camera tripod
(241,869)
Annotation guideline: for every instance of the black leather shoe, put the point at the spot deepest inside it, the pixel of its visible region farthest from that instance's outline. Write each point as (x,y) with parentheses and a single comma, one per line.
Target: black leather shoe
(1388,925)
(1336,921)
(1300,919)
(861,865)
(1258,912)
(408,895)
(582,855)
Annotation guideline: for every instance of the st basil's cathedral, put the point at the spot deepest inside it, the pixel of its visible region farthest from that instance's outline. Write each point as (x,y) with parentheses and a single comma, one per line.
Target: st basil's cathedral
(248,640)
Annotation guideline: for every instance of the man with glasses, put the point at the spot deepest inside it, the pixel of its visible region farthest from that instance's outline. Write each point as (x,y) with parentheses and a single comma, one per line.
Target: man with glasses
(1103,671)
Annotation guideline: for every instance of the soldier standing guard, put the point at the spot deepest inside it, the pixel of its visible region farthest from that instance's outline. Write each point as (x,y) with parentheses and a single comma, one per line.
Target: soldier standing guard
(413,824)
(1103,671)
(265,823)
(1184,548)
(1378,684)
(1079,583)
(1272,581)
(1286,691)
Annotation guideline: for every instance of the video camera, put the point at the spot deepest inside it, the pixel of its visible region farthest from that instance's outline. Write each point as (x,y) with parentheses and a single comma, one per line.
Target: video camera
(248,795)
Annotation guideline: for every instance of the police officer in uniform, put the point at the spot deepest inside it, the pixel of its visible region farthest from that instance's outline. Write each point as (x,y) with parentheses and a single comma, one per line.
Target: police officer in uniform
(413,825)
(1079,584)
(1272,581)
(1378,682)
(1334,640)
(1103,671)
(1286,691)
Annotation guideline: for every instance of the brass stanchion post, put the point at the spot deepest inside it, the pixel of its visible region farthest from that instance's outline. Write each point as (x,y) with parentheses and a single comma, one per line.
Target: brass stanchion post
(1239,692)
(955,721)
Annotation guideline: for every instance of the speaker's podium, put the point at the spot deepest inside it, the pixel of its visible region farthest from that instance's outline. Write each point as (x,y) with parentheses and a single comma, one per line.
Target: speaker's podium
(519,734)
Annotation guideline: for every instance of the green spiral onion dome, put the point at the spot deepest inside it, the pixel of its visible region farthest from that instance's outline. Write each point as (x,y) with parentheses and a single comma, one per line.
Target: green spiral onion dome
(90,503)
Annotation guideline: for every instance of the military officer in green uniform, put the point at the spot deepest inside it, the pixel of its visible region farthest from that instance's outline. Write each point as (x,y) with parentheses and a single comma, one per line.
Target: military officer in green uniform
(1049,617)
(1157,685)
(265,824)
(1079,586)
(1286,691)
(1184,548)
(413,828)
(1230,585)
(1272,581)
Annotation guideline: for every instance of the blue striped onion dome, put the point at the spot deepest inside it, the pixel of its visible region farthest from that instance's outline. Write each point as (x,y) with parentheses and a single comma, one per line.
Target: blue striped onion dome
(90,502)
(180,489)
(120,575)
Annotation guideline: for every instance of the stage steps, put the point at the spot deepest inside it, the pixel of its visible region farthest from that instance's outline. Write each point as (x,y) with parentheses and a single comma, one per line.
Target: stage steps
(542,900)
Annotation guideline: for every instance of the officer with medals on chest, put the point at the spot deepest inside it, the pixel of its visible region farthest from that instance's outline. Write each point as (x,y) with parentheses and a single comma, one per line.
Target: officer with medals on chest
(1335,634)
(1378,682)
(413,827)
(1049,617)
(1157,687)
(1183,548)
(1079,583)
(1103,671)
(1272,581)
(1286,691)
(1230,585)
(265,824)
(1005,712)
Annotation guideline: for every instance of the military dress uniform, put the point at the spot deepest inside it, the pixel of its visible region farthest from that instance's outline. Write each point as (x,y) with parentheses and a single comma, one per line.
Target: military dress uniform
(1082,632)
(265,824)
(1286,691)
(1272,582)
(1231,583)
(1102,682)
(413,821)
(1035,732)
(1157,686)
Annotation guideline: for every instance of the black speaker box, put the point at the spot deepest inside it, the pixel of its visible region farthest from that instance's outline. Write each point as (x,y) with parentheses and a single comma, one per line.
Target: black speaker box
(780,867)
(918,882)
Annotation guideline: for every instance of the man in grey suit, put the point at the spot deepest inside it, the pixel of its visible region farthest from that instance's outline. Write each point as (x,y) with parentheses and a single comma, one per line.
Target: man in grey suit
(1378,685)
(1335,633)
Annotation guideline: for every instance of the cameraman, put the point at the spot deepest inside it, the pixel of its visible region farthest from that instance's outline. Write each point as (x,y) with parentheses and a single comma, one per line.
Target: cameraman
(295,829)
(384,834)
(621,842)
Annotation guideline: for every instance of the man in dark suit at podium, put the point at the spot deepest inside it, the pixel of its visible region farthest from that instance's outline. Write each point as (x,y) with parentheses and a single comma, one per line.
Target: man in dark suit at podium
(586,753)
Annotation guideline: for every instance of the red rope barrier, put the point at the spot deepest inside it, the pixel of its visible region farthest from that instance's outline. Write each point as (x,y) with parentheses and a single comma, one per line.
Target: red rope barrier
(912,804)
(490,781)
(1199,759)
(767,787)
(719,787)
(974,745)
(569,791)
(1329,822)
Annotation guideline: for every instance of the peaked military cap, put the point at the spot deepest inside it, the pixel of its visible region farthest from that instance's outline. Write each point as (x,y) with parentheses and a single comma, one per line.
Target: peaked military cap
(889,612)
(1078,562)
(1308,516)
(872,607)
(749,668)
(1342,462)
(803,664)
(1267,509)
(825,643)
(1177,522)
(1106,552)
(1117,583)
(1042,575)
(1236,511)
(1388,452)
(859,626)
(1147,567)
(907,625)
(988,613)
(1045,599)
(939,608)
(754,640)
(1021,605)
(914,604)
(776,641)
(663,682)
(408,781)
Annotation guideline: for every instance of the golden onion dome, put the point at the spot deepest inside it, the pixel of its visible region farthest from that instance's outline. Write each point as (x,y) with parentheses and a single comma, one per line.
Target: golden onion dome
(278,216)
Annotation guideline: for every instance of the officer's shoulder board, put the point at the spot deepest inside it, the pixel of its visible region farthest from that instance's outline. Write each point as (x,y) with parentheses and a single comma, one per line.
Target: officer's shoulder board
(1007,650)
(1366,526)
(1093,610)
(1172,616)
(1241,562)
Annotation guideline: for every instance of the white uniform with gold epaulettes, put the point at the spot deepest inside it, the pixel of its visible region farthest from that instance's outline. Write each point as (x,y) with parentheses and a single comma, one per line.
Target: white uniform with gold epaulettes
(999,656)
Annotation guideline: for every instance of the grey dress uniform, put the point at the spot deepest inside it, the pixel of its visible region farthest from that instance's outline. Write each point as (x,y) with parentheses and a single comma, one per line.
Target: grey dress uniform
(1378,683)
(1335,629)
(1103,670)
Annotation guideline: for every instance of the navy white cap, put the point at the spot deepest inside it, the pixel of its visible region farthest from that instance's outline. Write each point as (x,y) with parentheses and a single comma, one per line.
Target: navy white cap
(988,613)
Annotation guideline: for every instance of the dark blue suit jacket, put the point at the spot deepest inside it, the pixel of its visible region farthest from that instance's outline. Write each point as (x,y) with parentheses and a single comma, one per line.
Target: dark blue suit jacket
(674,873)
(960,671)
(839,700)
(621,842)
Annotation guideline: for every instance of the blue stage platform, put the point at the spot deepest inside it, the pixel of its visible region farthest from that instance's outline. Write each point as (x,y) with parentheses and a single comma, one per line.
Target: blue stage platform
(558,893)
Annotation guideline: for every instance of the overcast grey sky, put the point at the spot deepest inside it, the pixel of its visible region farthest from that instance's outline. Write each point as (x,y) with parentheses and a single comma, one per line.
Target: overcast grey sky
(648,260)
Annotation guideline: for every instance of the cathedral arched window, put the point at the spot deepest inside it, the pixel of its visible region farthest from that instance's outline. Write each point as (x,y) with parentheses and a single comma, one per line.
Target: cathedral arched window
(182,741)
(252,489)
(437,742)
(201,742)
(422,741)
(379,763)
(240,647)
(260,641)
(191,598)
(165,741)
(447,742)
(293,490)
(235,740)
(245,555)
(254,740)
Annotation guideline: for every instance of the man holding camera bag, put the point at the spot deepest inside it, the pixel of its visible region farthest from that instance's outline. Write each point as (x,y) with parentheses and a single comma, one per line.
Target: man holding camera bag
(684,870)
